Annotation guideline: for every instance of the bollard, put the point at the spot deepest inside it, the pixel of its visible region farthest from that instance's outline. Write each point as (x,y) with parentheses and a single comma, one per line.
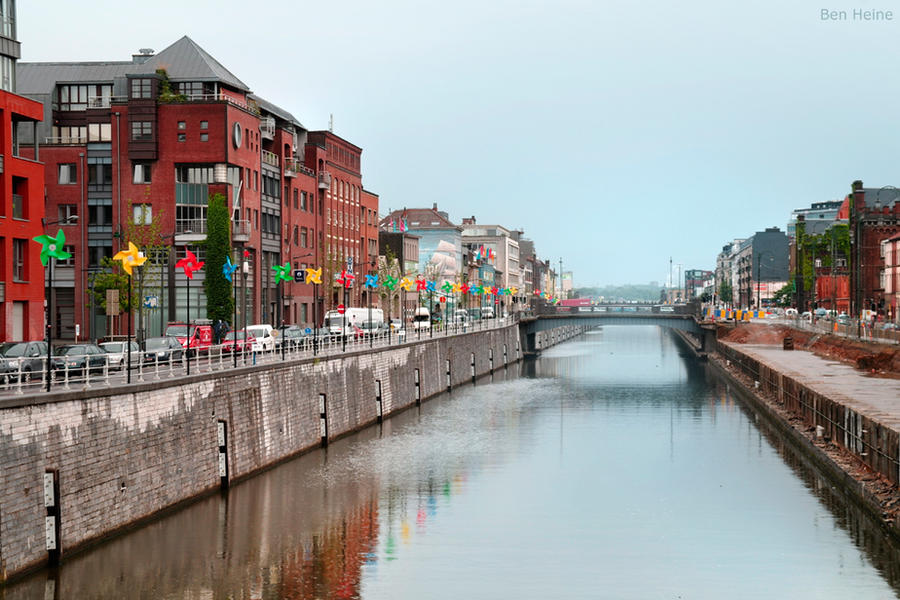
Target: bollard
(449,380)
(473,367)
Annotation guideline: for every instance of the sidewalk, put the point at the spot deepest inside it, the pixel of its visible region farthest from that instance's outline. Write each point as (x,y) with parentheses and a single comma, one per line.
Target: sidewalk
(876,397)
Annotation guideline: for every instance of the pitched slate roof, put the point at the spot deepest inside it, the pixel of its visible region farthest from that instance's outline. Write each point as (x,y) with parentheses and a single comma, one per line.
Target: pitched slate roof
(276,110)
(420,218)
(185,60)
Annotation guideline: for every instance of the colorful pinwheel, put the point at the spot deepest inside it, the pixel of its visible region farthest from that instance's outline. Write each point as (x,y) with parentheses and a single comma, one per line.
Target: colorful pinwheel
(189,263)
(346,279)
(228,268)
(447,287)
(313,275)
(130,258)
(52,247)
(372,281)
(283,272)
(390,282)
(406,283)
(420,284)
(429,286)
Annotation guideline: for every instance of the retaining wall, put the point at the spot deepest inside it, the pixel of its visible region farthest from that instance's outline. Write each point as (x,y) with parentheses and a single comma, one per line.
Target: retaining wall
(120,458)
(875,444)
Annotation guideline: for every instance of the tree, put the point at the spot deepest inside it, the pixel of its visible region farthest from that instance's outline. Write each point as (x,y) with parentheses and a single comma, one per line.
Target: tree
(219,292)
(389,267)
(784,296)
(725,292)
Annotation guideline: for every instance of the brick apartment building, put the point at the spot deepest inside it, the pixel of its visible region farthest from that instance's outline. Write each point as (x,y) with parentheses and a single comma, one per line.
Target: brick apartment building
(21,200)
(146,141)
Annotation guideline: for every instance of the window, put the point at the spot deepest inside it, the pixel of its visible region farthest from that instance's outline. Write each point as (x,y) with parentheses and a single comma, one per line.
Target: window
(99,177)
(99,216)
(69,262)
(142,214)
(204,124)
(19,249)
(296,235)
(96,254)
(204,137)
(196,88)
(141,88)
(66,212)
(67,173)
(182,125)
(141,131)
(182,137)
(303,203)
(18,206)
(99,132)
(184,174)
(141,172)
(296,195)
(304,237)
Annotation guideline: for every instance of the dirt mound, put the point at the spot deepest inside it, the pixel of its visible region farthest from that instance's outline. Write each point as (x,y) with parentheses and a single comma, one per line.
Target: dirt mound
(868,356)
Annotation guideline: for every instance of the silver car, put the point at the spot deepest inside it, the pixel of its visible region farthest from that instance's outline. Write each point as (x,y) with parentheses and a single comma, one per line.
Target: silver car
(118,353)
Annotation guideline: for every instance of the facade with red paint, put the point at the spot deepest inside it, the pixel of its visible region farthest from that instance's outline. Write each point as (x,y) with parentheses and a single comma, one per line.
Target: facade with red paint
(21,203)
(137,147)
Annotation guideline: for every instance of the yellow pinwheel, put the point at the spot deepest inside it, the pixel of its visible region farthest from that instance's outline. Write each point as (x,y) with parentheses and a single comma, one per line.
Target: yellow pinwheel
(130,258)
(314,275)
(406,283)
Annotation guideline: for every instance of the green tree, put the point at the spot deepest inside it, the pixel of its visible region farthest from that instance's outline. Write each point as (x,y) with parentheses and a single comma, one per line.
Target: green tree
(725,292)
(784,296)
(389,267)
(219,293)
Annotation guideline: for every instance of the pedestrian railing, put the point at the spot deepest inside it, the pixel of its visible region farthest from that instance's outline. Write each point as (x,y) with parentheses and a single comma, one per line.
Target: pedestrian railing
(148,366)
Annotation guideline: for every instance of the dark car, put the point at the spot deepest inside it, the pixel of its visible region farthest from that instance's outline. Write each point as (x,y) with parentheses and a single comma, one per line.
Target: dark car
(164,349)
(294,336)
(74,359)
(29,358)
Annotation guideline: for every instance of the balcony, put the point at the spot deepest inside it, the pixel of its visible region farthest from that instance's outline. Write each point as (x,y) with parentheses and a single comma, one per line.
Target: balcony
(270,158)
(292,166)
(104,101)
(65,141)
(267,128)
(190,226)
(324,180)
(240,231)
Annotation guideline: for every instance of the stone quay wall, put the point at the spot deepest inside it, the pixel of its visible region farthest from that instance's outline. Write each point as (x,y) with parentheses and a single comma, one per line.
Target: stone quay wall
(119,457)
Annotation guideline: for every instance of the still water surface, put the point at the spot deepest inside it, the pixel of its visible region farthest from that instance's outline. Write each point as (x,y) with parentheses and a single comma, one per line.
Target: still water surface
(611,467)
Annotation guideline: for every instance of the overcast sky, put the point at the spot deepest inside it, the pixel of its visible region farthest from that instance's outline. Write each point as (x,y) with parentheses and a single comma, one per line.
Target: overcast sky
(615,133)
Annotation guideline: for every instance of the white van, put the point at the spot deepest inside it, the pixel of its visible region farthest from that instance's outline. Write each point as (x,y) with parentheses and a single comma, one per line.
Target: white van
(487,312)
(421,318)
(263,337)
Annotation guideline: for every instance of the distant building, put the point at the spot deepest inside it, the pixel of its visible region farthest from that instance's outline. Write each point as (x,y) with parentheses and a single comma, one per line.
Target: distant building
(762,267)
(502,248)
(818,217)
(405,249)
(891,278)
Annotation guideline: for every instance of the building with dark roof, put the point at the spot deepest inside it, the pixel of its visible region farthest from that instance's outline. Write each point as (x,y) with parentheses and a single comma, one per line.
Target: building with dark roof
(136,148)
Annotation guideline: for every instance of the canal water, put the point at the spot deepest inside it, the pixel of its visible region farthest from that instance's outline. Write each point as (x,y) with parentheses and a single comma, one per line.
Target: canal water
(613,466)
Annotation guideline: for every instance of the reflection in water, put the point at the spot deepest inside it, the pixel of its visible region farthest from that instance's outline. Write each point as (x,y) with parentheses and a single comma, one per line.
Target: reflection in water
(613,467)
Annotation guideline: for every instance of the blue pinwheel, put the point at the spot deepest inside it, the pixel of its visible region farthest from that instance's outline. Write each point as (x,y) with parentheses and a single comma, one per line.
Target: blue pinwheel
(228,268)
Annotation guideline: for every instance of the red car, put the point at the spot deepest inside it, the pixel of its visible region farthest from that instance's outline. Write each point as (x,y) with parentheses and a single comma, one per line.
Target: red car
(238,341)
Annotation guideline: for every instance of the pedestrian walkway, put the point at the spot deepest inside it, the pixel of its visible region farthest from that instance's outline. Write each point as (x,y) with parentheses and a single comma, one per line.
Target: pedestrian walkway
(876,397)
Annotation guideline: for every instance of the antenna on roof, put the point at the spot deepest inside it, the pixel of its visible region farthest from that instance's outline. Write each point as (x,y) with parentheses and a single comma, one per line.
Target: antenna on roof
(331,122)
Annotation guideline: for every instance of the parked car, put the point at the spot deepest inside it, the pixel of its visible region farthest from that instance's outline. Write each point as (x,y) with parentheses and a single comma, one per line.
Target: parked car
(164,349)
(375,329)
(118,353)
(238,341)
(200,338)
(887,326)
(29,358)
(78,358)
(264,337)
(294,336)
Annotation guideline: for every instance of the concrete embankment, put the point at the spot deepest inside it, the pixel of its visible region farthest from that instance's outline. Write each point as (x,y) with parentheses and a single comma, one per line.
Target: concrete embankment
(112,459)
(844,421)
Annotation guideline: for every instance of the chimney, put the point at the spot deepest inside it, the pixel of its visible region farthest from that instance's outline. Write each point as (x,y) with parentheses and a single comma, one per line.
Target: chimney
(434,208)
(145,55)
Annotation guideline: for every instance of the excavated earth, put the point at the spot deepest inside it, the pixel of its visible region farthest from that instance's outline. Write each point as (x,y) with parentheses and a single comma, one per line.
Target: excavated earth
(876,359)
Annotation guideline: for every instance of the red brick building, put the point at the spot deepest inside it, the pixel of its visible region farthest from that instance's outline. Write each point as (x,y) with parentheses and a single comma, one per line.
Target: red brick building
(874,216)
(21,206)
(147,141)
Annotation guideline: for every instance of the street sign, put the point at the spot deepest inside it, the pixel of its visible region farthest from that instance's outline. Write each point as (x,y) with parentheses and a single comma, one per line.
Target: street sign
(151,301)
(349,264)
(341,308)
(443,298)
(298,275)
(307,331)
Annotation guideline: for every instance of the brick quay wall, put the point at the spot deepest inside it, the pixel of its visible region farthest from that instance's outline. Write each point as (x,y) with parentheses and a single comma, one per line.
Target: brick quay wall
(121,456)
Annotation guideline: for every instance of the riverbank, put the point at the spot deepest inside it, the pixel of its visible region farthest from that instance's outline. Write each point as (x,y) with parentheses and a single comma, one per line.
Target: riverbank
(842,420)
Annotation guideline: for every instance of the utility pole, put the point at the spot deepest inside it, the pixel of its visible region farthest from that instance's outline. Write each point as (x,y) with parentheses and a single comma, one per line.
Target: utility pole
(560,277)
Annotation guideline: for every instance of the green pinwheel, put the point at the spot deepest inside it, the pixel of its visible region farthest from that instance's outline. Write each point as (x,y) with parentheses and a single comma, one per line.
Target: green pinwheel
(447,287)
(52,247)
(283,272)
